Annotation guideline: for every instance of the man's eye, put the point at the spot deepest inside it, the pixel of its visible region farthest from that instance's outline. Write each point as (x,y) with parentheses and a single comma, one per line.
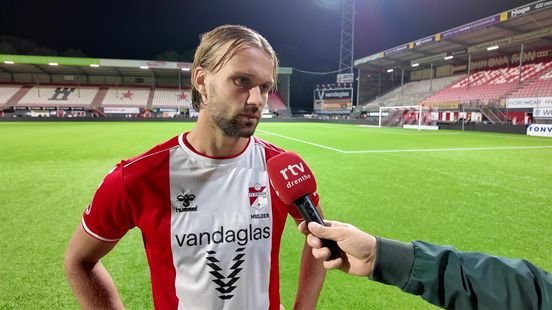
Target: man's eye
(242,81)
(264,89)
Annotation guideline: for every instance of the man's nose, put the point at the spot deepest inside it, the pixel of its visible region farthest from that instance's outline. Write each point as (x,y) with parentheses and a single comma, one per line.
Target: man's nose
(255,96)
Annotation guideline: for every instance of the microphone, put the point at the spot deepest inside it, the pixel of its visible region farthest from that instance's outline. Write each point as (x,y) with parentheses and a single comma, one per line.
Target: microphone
(293,181)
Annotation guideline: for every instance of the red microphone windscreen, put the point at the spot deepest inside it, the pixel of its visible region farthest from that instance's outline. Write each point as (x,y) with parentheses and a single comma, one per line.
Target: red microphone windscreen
(290,177)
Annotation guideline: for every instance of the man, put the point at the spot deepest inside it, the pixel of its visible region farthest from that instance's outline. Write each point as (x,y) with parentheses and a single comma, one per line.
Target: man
(210,221)
(440,274)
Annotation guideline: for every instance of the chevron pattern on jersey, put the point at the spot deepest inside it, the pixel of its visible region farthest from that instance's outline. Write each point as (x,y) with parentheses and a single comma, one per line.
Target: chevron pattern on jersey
(225,283)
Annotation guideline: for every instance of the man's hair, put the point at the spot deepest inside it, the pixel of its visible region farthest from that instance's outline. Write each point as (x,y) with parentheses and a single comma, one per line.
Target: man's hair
(220,45)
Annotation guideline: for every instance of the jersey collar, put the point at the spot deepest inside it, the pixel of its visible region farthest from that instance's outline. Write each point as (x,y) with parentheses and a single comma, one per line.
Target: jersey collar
(186,146)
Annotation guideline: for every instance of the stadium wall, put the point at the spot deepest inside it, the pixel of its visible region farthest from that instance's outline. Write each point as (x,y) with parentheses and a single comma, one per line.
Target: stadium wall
(500,128)
(504,128)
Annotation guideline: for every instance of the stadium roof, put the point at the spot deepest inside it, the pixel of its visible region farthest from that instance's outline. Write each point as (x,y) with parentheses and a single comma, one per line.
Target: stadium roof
(530,24)
(96,66)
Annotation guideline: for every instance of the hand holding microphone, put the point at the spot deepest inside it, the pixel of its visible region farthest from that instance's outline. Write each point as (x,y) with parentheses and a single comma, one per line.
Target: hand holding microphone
(358,248)
(293,182)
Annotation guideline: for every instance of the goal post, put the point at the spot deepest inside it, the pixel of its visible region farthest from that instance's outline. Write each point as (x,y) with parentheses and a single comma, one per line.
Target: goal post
(413,116)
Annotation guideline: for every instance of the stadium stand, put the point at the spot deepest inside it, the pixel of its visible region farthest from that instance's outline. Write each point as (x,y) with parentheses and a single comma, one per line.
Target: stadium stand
(67,96)
(413,92)
(7,92)
(100,96)
(275,103)
(150,99)
(126,97)
(486,85)
(172,98)
(540,87)
(97,87)
(20,94)
(505,61)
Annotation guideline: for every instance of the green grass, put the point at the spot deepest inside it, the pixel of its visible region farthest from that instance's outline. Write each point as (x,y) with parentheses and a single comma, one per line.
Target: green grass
(492,200)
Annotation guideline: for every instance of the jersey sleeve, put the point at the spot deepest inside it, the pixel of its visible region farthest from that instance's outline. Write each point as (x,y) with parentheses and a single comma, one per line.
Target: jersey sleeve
(108,215)
(294,212)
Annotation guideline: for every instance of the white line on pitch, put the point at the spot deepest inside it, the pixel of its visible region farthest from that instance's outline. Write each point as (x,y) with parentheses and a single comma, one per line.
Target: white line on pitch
(303,141)
(452,149)
(410,150)
(404,132)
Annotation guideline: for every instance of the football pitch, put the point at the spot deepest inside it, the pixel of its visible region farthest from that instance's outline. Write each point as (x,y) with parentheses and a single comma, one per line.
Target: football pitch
(484,192)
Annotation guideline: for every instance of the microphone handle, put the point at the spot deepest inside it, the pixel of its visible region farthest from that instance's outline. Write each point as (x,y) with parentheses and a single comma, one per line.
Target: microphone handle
(310,214)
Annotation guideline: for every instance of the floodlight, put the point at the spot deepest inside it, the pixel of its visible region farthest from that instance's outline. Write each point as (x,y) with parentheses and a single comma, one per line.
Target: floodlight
(54,64)
(449,57)
(415,65)
(94,65)
(8,62)
(389,70)
(492,48)
(144,67)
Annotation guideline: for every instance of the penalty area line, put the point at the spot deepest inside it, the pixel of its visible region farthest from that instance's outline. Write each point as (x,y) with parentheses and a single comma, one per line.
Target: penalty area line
(303,141)
(452,149)
(409,150)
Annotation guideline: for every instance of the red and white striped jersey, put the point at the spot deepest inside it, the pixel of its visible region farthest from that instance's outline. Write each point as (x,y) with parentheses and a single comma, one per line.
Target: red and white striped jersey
(211,226)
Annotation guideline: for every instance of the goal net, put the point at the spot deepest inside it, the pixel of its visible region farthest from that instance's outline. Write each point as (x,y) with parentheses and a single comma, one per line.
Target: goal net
(415,116)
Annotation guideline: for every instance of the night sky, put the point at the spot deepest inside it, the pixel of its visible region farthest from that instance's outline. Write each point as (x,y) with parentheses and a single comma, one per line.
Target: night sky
(304,33)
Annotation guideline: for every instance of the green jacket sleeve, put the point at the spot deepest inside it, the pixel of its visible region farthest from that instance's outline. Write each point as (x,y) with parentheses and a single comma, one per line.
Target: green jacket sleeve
(462,280)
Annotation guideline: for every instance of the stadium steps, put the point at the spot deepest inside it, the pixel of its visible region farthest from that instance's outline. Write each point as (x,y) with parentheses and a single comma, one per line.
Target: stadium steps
(149,103)
(499,112)
(488,112)
(18,96)
(100,95)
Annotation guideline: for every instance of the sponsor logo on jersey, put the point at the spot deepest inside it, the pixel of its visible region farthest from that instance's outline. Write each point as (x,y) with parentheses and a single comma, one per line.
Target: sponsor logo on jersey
(185,203)
(258,216)
(222,235)
(226,284)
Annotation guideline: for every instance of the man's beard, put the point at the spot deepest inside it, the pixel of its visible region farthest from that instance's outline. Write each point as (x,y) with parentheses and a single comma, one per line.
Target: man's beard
(232,126)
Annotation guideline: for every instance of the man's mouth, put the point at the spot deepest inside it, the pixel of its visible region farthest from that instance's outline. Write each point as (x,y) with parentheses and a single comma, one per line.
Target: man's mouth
(249,116)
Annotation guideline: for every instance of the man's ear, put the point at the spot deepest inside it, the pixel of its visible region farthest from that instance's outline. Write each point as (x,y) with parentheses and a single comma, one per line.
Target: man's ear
(200,78)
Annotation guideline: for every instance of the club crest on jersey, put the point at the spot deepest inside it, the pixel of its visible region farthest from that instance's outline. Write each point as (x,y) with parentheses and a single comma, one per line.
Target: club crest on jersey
(185,203)
(258,196)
